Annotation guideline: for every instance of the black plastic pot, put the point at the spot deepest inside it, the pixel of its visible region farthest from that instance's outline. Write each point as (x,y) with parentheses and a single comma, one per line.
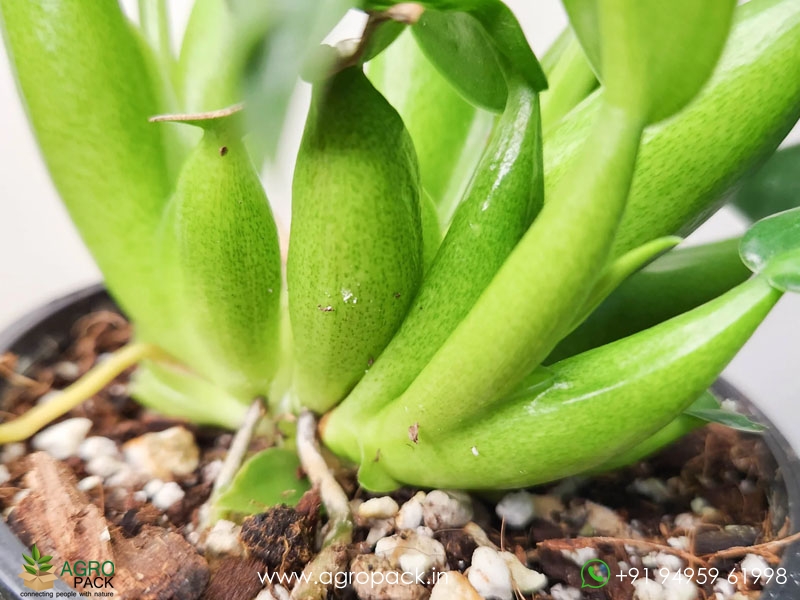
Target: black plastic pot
(43,331)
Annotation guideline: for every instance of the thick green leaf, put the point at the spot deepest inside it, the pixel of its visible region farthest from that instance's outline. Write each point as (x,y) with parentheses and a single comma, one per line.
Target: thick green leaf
(653,56)
(458,45)
(506,33)
(771,248)
(28,559)
(498,23)
(35,554)
(773,188)
(728,418)
(585,20)
(622,268)
(30,570)
(266,479)
(45,559)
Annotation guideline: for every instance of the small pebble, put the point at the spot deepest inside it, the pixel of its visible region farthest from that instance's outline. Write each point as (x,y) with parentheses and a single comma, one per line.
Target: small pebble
(12,452)
(680,543)
(412,553)
(516,509)
(724,588)
(686,521)
(452,585)
(105,535)
(527,580)
(580,555)
(699,505)
(563,592)
(378,508)
(652,488)
(410,514)
(224,539)
(379,530)
(152,487)
(164,454)
(679,587)
(648,589)
(96,446)
(445,510)
(67,370)
(752,563)
(658,560)
(490,575)
(123,478)
(169,494)
(105,466)
(63,439)
(89,483)
(4,474)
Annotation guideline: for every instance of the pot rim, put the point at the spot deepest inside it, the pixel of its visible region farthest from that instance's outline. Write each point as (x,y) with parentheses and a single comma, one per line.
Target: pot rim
(26,335)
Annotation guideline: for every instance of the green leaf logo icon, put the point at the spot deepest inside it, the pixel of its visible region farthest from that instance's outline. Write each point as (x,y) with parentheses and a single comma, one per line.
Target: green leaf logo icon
(595,574)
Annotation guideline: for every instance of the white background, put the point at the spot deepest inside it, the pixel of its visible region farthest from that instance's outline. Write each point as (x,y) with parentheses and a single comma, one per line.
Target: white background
(41,255)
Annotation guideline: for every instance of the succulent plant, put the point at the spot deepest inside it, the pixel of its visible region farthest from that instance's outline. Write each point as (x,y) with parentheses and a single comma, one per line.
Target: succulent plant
(482,288)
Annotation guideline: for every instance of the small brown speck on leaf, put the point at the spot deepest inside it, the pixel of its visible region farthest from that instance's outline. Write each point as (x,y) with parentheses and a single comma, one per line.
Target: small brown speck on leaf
(370,361)
(223,150)
(413,433)
(325,308)
(397,294)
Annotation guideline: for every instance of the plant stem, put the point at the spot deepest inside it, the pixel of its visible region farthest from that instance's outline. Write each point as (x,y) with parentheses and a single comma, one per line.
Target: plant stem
(91,383)
(333,557)
(233,460)
(332,494)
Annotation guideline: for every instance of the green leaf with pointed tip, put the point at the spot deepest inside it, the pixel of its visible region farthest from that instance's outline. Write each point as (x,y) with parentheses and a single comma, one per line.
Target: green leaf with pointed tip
(45,558)
(771,249)
(677,282)
(610,398)
(728,418)
(355,261)
(687,164)
(440,121)
(459,47)
(29,559)
(773,188)
(219,251)
(266,479)
(45,566)
(35,553)
(622,268)
(30,570)
(680,426)
(653,56)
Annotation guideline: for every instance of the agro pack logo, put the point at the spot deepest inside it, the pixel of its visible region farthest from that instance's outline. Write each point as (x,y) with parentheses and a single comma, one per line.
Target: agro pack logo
(39,575)
(36,575)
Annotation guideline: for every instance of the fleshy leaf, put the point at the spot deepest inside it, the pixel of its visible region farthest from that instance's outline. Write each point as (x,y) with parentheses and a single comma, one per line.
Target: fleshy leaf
(457,44)
(771,249)
(773,188)
(266,479)
(728,418)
